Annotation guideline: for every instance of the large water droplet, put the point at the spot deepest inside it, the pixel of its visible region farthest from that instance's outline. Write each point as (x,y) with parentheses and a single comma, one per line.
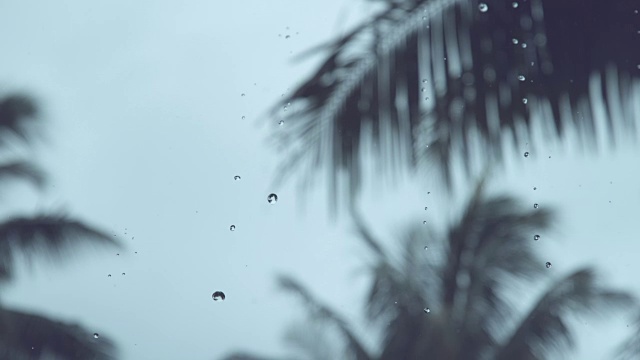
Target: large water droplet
(272,198)
(96,335)
(427,310)
(535,206)
(536,237)
(514,4)
(521,78)
(232,228)
(218,295)
(548,264)
(526,154)
(483,7)
(237,177)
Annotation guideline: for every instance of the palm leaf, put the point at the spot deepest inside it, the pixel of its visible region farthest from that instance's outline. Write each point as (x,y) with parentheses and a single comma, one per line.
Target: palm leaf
(373,85)
(545,329)
(321,311)
(14,111)
(22,170)
(28,336)
(49,234)
(630,348)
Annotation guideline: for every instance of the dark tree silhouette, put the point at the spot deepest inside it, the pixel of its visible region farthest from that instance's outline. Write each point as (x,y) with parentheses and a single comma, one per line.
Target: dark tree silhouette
(54,235)
(424,79)
(452,301)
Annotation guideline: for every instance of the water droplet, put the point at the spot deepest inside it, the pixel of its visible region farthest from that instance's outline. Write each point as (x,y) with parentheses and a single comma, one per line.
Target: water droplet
(483,7)
(272,198)
(423,89)
(96,335)
(232,227)
(237,177)
(427,98)
(525,100)
(424,18)
(218,295)
(243,117)
(288,36)
(524,45)
(425,208)
(535,206)
(535,188)
(526,154)
(427,310)
(521,78)
(548,264)
(281,122)
(424,81)
(426,248)
(514,4)
(424,222)
(536,237)
(514,41)
(123,274)
(109,275)
(242,94)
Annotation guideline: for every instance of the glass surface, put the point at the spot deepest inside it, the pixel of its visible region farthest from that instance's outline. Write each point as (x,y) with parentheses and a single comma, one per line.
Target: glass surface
(206,180)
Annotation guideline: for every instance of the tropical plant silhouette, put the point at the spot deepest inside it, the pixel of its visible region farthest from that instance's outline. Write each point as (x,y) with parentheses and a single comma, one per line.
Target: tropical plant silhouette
(423,80)
(460,298)
(32,237)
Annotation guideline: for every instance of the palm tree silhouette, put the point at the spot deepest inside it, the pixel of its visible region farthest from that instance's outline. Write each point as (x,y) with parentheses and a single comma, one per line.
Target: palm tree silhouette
(424,79)
(452,301)
(24,335)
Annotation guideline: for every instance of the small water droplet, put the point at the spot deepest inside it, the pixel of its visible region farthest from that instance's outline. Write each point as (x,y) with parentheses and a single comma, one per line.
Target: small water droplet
(243,117)
(242,94)
(424,81)
(288,36)
(514,4)
(218,295)
(536,237)
(525,100)
(524,45)
(237,177)
(548,264)
(427,98)
(109,275)
(272,198)
(424,18)
(483,7)
(426,248)
(521,78)
(427,310)
(425,208)
(232,227)
(281,122)
(424,222)
(535,206)
(123,274)
(535,188)
(526,154)
(514,41)
(96,335)
(423,89)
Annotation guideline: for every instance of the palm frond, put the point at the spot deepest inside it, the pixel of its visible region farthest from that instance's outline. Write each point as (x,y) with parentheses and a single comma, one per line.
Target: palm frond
(545,329)
(49,234)
(22,170)
(630,348)
(311,339)
(422,78)
(28,336)
(322,312)
(15,110)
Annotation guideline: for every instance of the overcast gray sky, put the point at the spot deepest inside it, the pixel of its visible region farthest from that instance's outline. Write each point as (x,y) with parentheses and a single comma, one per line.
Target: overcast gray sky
(143,110)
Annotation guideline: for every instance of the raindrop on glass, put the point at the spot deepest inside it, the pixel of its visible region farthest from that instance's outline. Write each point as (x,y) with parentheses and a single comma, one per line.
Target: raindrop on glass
(242,94)
(272,198)
(521,78)
(281,122)
(425,208)
(526,154)
(535,206)
(524,45)
(123,274)
(109,275)
(288,36)
(525,101)
(535,188)
(424,18)
(536,237)
(232,227)
(96,335)
(514,41)
(423,89)
(424,222)
(483,7)
(237,177)
(218,295)
(427,310)
(427,98)
(548,264)
(243,117)
(514,4)
(426,248)
(424,81)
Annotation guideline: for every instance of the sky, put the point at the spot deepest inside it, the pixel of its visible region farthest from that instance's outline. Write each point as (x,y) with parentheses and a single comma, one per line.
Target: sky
(144,132)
